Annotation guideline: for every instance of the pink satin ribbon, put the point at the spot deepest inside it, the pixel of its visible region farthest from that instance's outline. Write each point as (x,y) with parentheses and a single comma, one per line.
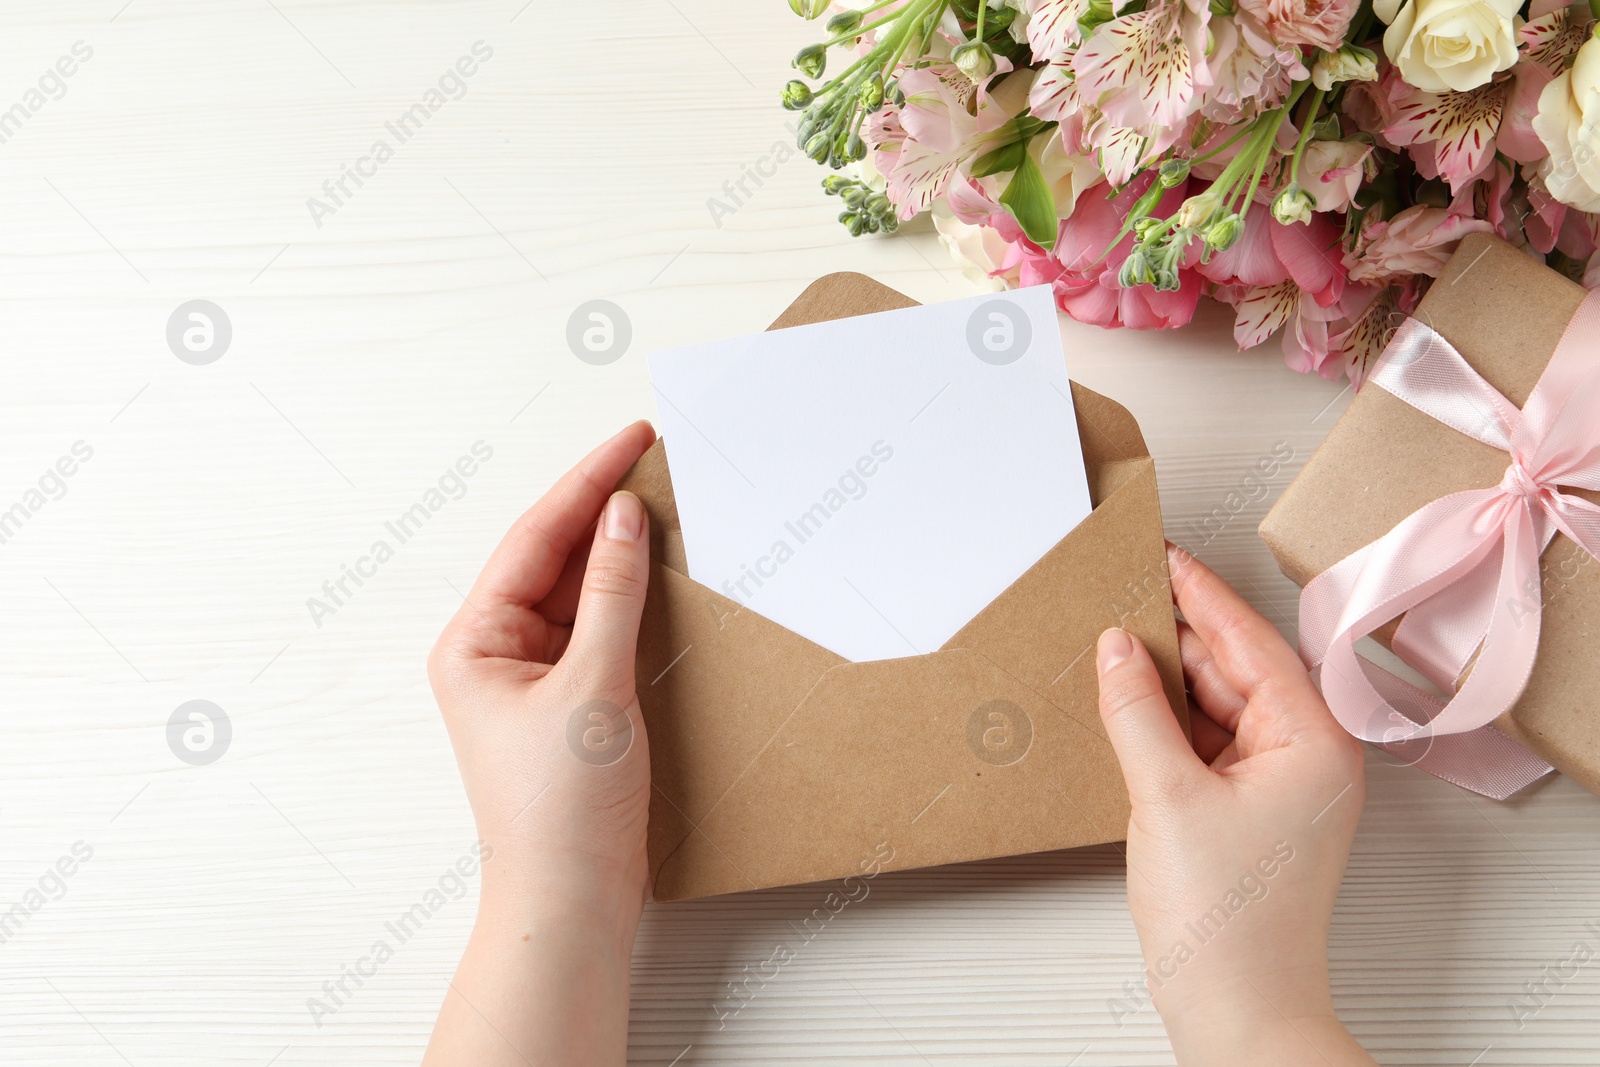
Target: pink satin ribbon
(1464,570)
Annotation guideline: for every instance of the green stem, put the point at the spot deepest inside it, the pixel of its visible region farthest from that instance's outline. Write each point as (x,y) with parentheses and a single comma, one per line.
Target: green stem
(1305,134)
(859,30)
(1260,150)
(983,8)
(897,38)
(869,10)
(1229,143)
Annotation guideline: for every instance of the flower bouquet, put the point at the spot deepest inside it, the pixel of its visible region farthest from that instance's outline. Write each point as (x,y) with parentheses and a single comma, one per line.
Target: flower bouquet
(1312,163)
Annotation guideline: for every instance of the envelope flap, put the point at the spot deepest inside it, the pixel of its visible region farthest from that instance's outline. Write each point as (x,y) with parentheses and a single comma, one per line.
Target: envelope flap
(840,296)
(1109,571)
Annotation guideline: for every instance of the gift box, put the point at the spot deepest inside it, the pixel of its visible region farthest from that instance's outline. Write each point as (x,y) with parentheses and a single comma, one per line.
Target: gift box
(1386,459)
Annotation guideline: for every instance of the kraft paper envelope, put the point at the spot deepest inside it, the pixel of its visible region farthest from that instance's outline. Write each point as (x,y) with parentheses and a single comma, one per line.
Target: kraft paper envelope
(776,762)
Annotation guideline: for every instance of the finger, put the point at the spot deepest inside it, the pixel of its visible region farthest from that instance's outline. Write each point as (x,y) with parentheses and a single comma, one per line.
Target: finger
(1249,652)
(1206,737)
(529,559)
(1155,755)
(1226,758)
(606,632)
(1211,690)
(560,604)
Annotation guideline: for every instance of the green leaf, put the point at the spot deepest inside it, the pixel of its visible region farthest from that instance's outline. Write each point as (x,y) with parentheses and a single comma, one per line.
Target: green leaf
(1006,157)
(1030,202)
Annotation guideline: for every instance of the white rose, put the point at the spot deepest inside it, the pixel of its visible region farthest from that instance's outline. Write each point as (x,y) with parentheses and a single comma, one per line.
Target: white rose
(1568,123)
(1444,45)
(977,250)
(1067,173)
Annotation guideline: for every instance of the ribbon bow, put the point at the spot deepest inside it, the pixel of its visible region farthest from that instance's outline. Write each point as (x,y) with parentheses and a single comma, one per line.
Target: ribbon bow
(1464,570)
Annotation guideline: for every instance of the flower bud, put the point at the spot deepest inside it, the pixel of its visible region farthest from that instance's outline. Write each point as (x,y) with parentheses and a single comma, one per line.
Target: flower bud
(1166,280)
(974,59)
(1193,212)
(844,22)
(870,94)
(1142,228)
(1293,205)
(808,9)
(817,147)
(1096,13)
(1135,269)
(1173,172)
(836,185)
(796,95)
(1327,128)
(847,148)
(811,60)
(1351,63)
(1222,234)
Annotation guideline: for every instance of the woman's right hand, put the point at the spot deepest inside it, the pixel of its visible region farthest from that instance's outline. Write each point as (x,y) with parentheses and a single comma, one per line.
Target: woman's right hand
(1236,845)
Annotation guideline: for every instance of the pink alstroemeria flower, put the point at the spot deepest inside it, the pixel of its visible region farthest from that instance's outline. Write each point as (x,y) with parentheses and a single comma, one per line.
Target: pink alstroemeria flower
(1147,67)
(1119,151)
(920,147)
(1284,277)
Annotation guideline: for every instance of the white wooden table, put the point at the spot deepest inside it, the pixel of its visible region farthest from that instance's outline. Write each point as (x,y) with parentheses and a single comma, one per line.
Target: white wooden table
(425,313)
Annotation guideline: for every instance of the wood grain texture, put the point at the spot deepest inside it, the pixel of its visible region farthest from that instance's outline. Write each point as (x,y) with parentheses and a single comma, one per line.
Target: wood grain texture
(428,313)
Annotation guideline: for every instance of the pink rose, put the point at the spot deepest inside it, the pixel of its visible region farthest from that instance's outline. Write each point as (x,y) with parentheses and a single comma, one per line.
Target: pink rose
(1319,23)
(1417,241)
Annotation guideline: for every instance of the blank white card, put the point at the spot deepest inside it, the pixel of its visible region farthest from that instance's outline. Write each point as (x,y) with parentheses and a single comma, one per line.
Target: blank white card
(872,483)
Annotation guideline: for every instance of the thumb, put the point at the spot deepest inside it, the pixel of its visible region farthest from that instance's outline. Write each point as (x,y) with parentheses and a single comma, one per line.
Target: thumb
(605,633)
(1155,755)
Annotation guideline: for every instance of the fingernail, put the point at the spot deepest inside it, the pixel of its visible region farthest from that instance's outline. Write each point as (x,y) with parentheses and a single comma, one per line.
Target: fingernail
(624,517)
(1115,647)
